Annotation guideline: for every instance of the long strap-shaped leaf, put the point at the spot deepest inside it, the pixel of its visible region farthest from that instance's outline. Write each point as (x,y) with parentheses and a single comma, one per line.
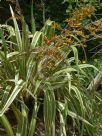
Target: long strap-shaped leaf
(33,119)
(17,89)
(63,117)
(37,39)
(32,19)
(49,112)
(48,29)
(22,128)
(4,121)
(3,42)
(17,31)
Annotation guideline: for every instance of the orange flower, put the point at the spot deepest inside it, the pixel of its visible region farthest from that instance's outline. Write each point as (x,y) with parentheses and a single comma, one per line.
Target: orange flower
(79,15)
(57,26)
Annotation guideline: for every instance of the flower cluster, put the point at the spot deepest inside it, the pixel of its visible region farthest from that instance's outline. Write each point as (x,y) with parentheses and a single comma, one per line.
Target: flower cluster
(79,15)
(50,40)
(57,26)
(95,28)
(73,34)
(48,55)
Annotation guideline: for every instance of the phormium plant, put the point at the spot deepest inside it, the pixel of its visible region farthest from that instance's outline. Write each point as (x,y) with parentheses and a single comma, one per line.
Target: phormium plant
(41,65)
